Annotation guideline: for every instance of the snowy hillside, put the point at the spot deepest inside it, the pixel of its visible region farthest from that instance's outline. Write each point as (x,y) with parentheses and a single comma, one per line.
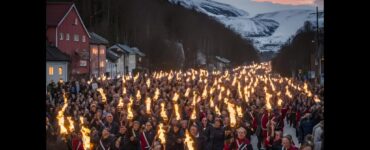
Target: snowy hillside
(268,31)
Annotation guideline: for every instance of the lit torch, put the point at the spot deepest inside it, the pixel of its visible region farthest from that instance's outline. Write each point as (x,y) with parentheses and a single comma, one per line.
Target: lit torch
(147,104)
(138,95)
(71,124)
(60,116)
(232,114)
(130,115)
(161,135)
(101,91)
(85,135)
(188,141)
(239,111)
(163,113)
(156,94)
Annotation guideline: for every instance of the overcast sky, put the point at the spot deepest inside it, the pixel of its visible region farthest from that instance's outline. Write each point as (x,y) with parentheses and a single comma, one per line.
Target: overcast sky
(254,7)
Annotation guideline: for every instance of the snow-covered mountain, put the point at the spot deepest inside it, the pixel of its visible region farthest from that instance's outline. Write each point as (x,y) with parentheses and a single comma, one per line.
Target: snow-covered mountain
(268,31)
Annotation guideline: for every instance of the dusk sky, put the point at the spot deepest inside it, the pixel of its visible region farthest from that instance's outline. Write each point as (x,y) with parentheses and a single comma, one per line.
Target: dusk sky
(254,7)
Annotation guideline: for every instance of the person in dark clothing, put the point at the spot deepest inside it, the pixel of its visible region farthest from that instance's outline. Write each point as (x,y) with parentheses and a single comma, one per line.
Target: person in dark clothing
(305,127)
(133,141)
(204,126)
(121,139)
(176,139)
(215,136)
(241,142)
(200,140)
(112,126)
(106,141)
(147,137)
(274,141)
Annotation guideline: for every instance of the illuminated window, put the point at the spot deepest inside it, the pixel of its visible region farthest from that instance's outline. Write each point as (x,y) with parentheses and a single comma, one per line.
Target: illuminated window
(60,36)
(83,38)
(101,64)
(95,51)
(76,37)
(60,70)
(76,21)
(51,70)
(67,36)
(102,51)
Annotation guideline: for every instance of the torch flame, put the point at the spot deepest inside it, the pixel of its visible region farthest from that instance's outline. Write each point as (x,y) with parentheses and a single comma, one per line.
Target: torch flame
(71,124)
(120,103)
(163,112)
(239,111)
(188,141)
(193,114)
(148,82)
(211,103)
(204,94)
(60,116)
(85,135)
(156,94)
(130,115)
(177,112)
(287,93)
(147,104)
(217,111)
(160,133)
(187,92)
(138,95)
(101,91)
(232,113)
(280,102)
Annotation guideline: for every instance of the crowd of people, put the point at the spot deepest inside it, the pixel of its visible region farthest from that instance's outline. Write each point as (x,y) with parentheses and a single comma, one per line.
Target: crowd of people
(195,107)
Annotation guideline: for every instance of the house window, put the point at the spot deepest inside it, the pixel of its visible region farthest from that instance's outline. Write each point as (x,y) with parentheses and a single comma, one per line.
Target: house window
(60,36)
(67,36)
(95,51)
(76,21)
(102,51)
(51,70)
(83,63)
(101,64)
(60,70)
(83,38)
(76,38)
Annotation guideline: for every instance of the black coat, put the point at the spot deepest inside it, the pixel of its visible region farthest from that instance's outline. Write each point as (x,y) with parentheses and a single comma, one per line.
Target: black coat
(122,143)
(172,141)
(215,138)
(106,143)
(132,145)
(200,142)
(114,127)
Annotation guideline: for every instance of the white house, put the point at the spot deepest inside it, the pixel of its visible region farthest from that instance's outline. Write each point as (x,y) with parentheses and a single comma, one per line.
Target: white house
(129,58)
(112,63)
(56,64)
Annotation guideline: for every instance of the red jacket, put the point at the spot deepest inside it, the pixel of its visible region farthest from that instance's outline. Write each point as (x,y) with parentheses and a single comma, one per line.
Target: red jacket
(77,144)
(239,142)
(292,148)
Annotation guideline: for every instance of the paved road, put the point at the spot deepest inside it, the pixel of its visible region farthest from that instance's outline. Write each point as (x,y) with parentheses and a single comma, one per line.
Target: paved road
(287,130)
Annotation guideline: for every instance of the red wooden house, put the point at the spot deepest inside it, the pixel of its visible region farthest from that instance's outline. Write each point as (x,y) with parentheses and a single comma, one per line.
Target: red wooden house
(68,33)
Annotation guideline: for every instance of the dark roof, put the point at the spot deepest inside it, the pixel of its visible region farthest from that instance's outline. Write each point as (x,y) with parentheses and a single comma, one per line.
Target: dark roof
(137,51)
(55,11)
(97,39)
(111,56)
(224,60)
(54,54)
